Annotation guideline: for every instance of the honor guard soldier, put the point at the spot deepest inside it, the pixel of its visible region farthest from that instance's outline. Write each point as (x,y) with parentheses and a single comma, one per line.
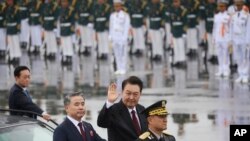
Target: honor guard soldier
(211,8)
(24,15)
(167,4)
(192,7)
(13,29)
(157,123)
(221,37)
(201,22)
(119,25)
(67,28)
(50,19)
(35,21)
(240,22)
(2,29)
(101,25)
(85,25)
(178,23)
(136,10)
(155,12)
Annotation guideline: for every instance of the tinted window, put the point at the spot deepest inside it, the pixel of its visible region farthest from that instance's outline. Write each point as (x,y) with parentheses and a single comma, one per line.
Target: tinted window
(31,132)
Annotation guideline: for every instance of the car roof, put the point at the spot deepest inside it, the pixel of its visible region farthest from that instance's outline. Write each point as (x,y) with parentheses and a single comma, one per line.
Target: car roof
(9,121)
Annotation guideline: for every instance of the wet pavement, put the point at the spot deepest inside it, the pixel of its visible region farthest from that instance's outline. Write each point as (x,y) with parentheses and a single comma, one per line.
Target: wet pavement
(201,105)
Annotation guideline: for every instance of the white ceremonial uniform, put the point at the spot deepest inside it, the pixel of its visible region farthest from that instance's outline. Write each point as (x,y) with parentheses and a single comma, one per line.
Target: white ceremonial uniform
(24,33)
(239,25)
(14,46)
(221,36)
(2,39)
(118,30)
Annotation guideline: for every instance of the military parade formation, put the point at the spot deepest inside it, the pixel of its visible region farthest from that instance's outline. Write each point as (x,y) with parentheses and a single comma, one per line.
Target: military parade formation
(135,27)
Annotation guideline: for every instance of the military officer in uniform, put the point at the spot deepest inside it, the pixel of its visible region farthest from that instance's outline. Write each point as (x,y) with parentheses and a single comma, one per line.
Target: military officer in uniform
(2,29)
(157,122)
(101,25)
(67,28)
(119,25)
(13,29)
(24,14)
(50,19)
(178,24)
(35,21)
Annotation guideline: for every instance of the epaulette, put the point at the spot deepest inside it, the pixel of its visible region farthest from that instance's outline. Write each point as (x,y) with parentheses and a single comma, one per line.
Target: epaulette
(144,135)
(161,6)
(166,133)
(184,11)
(16,9)
(55,6)
(197,3)
(144,3)
(38,5)
(107,7)
(70,10)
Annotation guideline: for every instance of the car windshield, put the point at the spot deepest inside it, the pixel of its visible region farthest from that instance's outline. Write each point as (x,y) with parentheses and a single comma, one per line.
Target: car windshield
(29,132)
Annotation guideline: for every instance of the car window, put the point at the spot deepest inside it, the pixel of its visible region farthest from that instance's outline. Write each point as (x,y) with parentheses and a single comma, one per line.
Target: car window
(31,132)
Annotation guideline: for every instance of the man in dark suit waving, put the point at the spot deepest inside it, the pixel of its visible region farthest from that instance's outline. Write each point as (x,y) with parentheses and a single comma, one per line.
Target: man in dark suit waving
(123,119)
(19,98)
(73,128)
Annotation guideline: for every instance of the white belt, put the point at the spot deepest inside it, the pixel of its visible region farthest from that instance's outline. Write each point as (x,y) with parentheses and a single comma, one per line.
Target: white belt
(191,16)
(11,24)
(65,24)
(177,23)
(155,19)
(167,13)
(210,19)
(48,18)
(84,14)
(34,14)
(137,16)
(1,18)
(22,8)
(101,19)
(201,7)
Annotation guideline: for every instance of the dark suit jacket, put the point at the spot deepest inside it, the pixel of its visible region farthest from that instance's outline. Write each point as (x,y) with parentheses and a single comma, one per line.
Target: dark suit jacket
(118,121)
(19,101)
(67,131)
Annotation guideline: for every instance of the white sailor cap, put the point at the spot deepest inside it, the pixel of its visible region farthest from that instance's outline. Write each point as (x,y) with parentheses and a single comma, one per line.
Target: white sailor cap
(223,1)
(118,1)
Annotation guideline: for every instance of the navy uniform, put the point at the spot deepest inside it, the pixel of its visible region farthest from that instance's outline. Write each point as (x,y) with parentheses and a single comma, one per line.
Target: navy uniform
(211,7)
(24,14)
(101,25)
(50,19)
(178,23)
(67,29)
(85,25)
(2,29)
(13,29)
(136,10)
(156,110)
(35,21)
(155,12)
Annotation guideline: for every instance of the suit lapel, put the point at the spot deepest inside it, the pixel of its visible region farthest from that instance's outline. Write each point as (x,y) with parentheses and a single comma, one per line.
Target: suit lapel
(88,132)
(72,127)
(142,119)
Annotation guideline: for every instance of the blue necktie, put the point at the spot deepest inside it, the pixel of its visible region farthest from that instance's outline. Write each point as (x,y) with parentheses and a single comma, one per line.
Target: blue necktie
(27,94)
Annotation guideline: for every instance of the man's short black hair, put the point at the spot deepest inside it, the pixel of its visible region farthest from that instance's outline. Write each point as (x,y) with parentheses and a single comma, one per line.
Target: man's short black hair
(134,81)
(68,97)
(18,70)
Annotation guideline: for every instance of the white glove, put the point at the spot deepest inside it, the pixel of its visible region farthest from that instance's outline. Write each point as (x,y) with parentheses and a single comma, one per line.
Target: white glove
(90,25)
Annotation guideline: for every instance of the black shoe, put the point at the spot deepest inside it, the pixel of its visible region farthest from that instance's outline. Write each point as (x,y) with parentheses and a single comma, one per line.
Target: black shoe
(103,56)
(138,52)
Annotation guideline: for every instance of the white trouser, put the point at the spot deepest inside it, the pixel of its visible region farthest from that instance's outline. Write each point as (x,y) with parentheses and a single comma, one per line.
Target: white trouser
(157,42)
(192,38)
(87,36)
(139,39)
(242,54)
(3,39)
(168,34)
(179,49)
(24,34)
(202,30)
(211,47)
(103,44)
(50,41)
(14,46)
(67,45)
(36,35)
(223,57)
(120,51)
(104,74)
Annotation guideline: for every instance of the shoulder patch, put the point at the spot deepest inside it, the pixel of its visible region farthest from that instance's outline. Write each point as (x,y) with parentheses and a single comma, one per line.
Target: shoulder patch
(144,135)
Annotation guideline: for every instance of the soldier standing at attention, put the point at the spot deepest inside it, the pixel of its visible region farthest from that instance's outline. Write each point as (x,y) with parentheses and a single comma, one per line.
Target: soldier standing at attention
(155,12)
(35,21)
(67,28)
(156,115)
(178,22)
(50,17)
(101,25)
(25,30)
(2,29)
(119,25)
(13,29)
